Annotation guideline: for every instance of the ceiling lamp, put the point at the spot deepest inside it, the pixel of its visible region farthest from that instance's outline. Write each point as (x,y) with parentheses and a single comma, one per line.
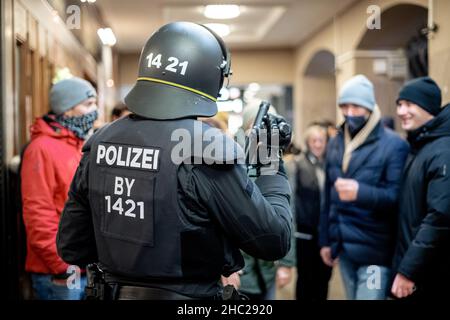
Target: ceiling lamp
(221,29)
(107,36)
(222,11)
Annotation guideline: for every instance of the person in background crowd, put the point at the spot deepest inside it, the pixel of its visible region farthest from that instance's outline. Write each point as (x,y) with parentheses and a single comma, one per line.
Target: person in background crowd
(364,166)
(119,111)
(330,126)
(219,121)
(388,122)
(259,278)
(291,158)
(312,274)
(48,166)
(422,256)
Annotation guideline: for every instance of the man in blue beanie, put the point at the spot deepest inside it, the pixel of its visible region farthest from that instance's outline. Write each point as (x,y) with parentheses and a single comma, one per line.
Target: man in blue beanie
(422,259)
(48,166)
(364,164)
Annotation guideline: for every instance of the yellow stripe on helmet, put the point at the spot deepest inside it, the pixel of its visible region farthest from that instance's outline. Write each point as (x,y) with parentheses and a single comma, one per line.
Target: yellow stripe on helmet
(178,86)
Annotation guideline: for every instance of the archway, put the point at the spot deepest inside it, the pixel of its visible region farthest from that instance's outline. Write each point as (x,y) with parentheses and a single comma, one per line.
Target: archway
(395,53)
(318,89)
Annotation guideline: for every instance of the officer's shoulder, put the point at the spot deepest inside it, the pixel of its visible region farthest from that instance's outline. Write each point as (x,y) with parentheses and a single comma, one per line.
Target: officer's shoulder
(217,147)
(89,143)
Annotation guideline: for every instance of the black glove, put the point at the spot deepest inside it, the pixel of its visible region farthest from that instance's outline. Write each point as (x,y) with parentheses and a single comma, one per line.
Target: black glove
(274,139)
(278,124)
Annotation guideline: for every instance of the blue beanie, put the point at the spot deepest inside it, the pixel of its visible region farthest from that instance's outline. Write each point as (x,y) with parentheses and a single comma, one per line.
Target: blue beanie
(69,93)
(359,91)
(424,92)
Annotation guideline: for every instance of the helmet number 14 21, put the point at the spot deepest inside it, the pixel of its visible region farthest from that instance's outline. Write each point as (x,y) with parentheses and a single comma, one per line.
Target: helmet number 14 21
(174,64)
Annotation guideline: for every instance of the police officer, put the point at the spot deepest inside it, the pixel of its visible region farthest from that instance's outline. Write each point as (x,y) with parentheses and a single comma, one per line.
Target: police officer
(163,217)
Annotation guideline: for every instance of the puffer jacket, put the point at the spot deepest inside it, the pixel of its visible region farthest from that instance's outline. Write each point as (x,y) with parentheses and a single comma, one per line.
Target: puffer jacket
(423,247)
(365,228)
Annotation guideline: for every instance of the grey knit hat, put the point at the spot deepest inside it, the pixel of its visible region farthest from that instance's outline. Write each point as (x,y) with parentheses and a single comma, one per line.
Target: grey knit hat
(359,91)
(69,93)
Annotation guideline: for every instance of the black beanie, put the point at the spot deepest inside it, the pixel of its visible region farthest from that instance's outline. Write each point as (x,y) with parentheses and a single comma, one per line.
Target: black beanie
(424,92)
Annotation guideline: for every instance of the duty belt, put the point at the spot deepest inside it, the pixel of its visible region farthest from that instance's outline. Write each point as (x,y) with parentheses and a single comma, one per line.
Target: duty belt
(146,293)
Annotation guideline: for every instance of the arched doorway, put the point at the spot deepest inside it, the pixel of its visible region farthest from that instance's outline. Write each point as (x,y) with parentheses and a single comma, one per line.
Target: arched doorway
(396,52)
(318,90)
(402,27)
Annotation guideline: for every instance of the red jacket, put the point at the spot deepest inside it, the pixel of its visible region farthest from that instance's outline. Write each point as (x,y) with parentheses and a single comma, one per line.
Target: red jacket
(49,164)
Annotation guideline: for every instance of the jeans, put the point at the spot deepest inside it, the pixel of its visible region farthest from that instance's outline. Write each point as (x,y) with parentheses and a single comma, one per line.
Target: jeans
(364,282)
(45,288)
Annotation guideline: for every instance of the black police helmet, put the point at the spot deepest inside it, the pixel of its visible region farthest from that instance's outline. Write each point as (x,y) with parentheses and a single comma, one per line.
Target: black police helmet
(181,71)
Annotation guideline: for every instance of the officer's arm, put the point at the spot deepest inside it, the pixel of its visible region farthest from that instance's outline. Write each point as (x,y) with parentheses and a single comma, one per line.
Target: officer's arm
(75,239)
(256,216)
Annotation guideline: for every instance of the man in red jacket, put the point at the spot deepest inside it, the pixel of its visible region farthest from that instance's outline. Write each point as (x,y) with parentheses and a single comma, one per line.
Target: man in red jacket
(48,166)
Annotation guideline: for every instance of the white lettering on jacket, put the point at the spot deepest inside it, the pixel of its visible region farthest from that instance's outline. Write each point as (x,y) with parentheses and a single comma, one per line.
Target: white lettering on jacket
(127,156)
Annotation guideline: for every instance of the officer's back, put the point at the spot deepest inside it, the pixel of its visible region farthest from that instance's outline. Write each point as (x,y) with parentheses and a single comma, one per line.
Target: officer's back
(160,201)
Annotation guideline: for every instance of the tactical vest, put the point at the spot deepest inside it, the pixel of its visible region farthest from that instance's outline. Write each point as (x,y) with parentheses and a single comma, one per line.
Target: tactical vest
(139,225)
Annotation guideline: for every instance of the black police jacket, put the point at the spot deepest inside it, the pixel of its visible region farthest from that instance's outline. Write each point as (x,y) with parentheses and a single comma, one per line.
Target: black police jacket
(423,245)
(155,209)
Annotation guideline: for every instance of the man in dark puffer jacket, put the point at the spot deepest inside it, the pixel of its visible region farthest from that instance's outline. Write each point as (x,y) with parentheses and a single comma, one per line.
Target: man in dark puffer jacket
(364,168)
(422,257)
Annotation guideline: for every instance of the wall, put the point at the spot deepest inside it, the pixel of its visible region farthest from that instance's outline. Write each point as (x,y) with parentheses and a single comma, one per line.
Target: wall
(45,40)
(128,68)
(439,48)
(386,89)
(263,66)
(320,104)
(341,37)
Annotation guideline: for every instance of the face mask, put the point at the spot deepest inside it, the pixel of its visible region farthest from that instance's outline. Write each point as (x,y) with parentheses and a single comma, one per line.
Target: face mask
(354,124)
(79,125)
